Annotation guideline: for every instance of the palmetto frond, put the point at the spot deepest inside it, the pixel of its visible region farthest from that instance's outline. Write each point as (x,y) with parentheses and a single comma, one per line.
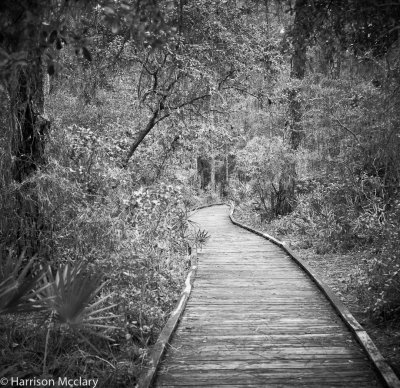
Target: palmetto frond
(69,297)
(18,292)
(201,238)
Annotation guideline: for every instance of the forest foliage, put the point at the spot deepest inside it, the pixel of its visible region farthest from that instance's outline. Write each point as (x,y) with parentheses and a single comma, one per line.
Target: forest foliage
(118,117)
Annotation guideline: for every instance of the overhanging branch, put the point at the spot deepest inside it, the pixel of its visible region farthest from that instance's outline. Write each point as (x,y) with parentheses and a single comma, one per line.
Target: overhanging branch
(346,128)
(155,119)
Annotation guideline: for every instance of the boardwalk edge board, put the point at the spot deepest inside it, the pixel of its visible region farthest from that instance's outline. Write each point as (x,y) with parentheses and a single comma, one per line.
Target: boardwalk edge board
(159,348)
(383,368)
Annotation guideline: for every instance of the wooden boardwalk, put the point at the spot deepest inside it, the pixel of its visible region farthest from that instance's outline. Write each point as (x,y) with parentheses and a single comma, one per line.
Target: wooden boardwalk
(255,319)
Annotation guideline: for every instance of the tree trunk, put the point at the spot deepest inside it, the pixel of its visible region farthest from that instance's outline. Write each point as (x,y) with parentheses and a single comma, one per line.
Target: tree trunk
(296,129)
(212,178)
(300,33)
(203,168)
(197,178)
(283,198)
(227,169)
(154,119)
(28,126)
(212,158)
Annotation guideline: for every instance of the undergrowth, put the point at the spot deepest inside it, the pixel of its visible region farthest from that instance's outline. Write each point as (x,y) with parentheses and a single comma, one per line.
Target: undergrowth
(107,240)
(317,224)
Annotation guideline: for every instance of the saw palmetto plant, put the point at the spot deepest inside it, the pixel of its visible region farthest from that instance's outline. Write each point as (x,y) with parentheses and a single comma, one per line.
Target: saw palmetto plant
(68,294)
(201,237)
(18,290)
(69,297)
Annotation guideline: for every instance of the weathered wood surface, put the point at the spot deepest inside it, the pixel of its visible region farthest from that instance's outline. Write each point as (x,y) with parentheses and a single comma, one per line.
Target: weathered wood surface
(386,373)
(255,319)
(159,347)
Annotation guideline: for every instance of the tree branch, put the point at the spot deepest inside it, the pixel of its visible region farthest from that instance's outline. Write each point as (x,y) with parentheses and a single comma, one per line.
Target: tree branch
(142,134)
(191,101)
(155,119)
(346,128)
(244,91)
(223,80)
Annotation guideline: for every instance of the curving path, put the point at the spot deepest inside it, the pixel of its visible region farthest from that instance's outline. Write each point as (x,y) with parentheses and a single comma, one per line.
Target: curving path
(255,319)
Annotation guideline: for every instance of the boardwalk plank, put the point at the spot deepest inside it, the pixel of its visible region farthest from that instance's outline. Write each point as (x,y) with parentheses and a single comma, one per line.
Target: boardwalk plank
(255,319)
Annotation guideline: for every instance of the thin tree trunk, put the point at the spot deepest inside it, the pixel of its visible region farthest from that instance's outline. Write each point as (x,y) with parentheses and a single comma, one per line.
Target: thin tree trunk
(283,199)
(212,159)
(142,134)
(301,32)
(196,172)
(227,169)
(212,178)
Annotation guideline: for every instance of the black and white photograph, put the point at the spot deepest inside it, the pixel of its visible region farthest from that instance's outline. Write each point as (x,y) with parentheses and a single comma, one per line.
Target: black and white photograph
(200,193)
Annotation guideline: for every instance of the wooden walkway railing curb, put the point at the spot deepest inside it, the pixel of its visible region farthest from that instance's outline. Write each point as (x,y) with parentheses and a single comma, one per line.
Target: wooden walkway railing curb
(382,367)
(158,350)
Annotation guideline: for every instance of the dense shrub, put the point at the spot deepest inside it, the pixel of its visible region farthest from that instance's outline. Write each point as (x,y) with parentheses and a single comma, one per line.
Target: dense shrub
(347,178)
(130,231)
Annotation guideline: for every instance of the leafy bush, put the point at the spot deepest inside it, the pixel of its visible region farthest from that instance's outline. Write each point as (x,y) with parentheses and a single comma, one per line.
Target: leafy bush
(380,285)
(93,217)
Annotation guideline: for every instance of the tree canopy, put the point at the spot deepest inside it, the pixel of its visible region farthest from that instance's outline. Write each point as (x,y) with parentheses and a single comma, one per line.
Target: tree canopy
(119,116)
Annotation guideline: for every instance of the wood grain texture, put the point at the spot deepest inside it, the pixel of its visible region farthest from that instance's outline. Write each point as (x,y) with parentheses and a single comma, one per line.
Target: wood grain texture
(256,319)
(383,369)
(146,379)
